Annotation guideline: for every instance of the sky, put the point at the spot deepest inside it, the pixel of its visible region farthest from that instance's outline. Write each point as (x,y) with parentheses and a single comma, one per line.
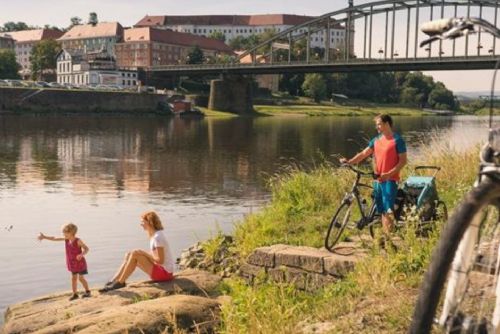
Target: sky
(129,12)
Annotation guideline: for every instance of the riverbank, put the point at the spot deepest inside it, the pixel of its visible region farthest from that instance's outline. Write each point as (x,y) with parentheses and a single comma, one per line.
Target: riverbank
(377,297)
(302,110)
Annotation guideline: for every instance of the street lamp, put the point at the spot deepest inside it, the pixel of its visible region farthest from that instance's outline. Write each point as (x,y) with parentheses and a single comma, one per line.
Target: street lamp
(380,52)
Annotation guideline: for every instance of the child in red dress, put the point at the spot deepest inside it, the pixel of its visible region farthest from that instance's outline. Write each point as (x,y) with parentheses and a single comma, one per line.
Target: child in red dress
(75,260)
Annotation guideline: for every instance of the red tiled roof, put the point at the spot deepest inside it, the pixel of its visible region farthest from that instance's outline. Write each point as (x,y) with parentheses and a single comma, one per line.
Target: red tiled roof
(149,21)
(103,29)
(33,35)
(250,20)
(174,38)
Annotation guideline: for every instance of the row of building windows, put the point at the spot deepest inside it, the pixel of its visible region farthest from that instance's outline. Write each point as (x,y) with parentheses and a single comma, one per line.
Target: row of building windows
(128,75)
(129,82)
(246,31)
(77,79)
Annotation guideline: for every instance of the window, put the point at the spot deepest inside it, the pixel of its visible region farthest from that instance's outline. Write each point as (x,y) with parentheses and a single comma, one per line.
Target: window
(128,81)
(123,82)
(133,82)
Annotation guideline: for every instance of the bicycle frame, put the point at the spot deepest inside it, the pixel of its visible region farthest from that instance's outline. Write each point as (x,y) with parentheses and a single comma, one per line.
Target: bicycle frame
(367,216)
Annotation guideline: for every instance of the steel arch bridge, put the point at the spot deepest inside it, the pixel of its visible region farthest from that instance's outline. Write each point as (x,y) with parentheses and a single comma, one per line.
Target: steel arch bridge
(377,36)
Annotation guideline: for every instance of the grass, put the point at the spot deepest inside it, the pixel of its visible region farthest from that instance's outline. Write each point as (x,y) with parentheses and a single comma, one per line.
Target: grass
(216,113)
(379,295)
(338,110)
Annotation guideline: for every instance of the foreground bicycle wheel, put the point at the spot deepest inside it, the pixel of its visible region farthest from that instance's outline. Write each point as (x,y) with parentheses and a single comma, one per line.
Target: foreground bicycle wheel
(475,302)
(337,225)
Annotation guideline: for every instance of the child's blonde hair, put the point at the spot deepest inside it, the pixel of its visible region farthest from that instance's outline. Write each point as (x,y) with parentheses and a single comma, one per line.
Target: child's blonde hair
(70,228)
(152,218)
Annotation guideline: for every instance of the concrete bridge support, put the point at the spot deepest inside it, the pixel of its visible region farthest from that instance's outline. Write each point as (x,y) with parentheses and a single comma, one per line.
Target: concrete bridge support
(231,94)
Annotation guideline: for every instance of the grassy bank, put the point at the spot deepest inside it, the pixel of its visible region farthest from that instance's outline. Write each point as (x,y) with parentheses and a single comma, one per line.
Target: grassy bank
(378,296)
(337,110)
(302,110)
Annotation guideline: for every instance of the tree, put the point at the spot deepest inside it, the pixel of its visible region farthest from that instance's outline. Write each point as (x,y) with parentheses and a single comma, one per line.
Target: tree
(8,66)
(195,56)
(75,21)
(442,98)
(13,26)
(314,86)
(43,57)
(218,35)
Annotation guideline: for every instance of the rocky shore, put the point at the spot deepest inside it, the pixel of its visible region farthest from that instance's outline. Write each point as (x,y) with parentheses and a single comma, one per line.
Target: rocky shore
(188,304)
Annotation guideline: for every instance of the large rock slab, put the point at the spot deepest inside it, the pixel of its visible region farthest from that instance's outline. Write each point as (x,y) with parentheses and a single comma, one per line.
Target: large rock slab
(143,306)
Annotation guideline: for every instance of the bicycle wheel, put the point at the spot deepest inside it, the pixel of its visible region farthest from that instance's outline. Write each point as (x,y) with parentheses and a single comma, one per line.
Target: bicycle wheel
(440,211)
(337,225)
(434,280)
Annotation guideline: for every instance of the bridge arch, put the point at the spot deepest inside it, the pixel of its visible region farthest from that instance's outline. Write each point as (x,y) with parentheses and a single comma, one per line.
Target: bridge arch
(415,12)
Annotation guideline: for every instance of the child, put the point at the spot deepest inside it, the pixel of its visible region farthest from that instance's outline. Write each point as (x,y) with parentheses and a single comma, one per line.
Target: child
(75,251)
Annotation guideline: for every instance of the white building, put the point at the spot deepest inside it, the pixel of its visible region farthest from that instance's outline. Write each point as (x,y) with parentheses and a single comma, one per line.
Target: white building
(233,26)
(78,68)
(25,41)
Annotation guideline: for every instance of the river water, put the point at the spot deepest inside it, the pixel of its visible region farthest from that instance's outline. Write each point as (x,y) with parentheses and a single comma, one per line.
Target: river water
(201,176)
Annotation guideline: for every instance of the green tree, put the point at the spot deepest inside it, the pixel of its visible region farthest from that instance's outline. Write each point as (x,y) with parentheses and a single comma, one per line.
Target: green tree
(43,57)
(75,21)
(314,86)
(8,66)
(442,98)
(218,35)
(15,26)
(195,56)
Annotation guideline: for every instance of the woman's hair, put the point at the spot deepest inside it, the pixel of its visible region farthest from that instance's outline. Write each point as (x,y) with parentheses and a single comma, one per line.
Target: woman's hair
(70,228)
(152,218)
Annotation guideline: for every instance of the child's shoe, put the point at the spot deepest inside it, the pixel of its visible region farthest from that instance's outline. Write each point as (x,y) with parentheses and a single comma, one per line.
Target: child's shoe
(86,294)
(73,297)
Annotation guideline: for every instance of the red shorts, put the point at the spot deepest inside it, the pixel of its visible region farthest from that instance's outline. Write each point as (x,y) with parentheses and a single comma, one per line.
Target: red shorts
(160,274)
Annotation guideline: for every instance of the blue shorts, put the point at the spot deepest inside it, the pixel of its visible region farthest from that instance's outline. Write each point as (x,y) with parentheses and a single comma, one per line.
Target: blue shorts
(384,195)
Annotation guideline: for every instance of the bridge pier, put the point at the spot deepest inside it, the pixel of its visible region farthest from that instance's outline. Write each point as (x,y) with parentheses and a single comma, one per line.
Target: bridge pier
(231,94)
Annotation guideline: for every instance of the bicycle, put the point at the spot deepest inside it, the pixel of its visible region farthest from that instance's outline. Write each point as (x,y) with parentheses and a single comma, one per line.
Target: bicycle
(468,246)
(417,191)
(342,216)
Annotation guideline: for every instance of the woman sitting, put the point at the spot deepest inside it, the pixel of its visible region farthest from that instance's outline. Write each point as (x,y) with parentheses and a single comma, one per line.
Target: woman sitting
(158,263)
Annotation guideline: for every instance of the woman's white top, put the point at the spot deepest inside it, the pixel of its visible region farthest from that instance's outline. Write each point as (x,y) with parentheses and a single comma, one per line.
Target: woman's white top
(159,240)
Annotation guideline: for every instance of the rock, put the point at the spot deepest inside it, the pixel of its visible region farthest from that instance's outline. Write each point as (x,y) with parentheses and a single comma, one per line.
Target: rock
(147,306)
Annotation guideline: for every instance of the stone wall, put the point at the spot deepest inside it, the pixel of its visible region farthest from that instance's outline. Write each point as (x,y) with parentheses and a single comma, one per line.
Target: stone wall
(306,267)
(52,100)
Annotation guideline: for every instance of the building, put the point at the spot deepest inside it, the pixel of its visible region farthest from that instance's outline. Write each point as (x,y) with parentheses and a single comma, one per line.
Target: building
(92,68)
(7,43)
(146,47)
(100,37)
(25,41)
(233,26)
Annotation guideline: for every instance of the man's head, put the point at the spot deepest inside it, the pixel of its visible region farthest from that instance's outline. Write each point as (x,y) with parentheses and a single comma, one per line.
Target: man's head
(383,123)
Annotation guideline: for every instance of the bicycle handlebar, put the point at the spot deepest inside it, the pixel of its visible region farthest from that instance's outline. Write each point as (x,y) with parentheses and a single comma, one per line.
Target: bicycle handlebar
(360,172)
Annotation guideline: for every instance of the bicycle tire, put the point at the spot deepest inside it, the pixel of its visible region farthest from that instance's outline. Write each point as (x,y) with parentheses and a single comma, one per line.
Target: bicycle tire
(441,206)
(337,226)
(443,255)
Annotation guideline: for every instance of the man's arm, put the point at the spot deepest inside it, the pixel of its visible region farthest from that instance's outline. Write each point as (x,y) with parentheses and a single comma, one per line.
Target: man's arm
(401,163)
(358,157)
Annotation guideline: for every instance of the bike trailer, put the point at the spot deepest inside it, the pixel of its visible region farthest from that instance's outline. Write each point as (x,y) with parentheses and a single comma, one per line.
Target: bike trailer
(421,192)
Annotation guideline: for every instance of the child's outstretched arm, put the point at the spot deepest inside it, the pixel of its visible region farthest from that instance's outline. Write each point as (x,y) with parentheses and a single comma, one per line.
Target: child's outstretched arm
(84,248)
(42,236)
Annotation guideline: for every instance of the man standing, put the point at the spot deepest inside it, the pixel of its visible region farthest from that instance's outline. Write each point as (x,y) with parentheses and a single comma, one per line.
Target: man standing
(389,153)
